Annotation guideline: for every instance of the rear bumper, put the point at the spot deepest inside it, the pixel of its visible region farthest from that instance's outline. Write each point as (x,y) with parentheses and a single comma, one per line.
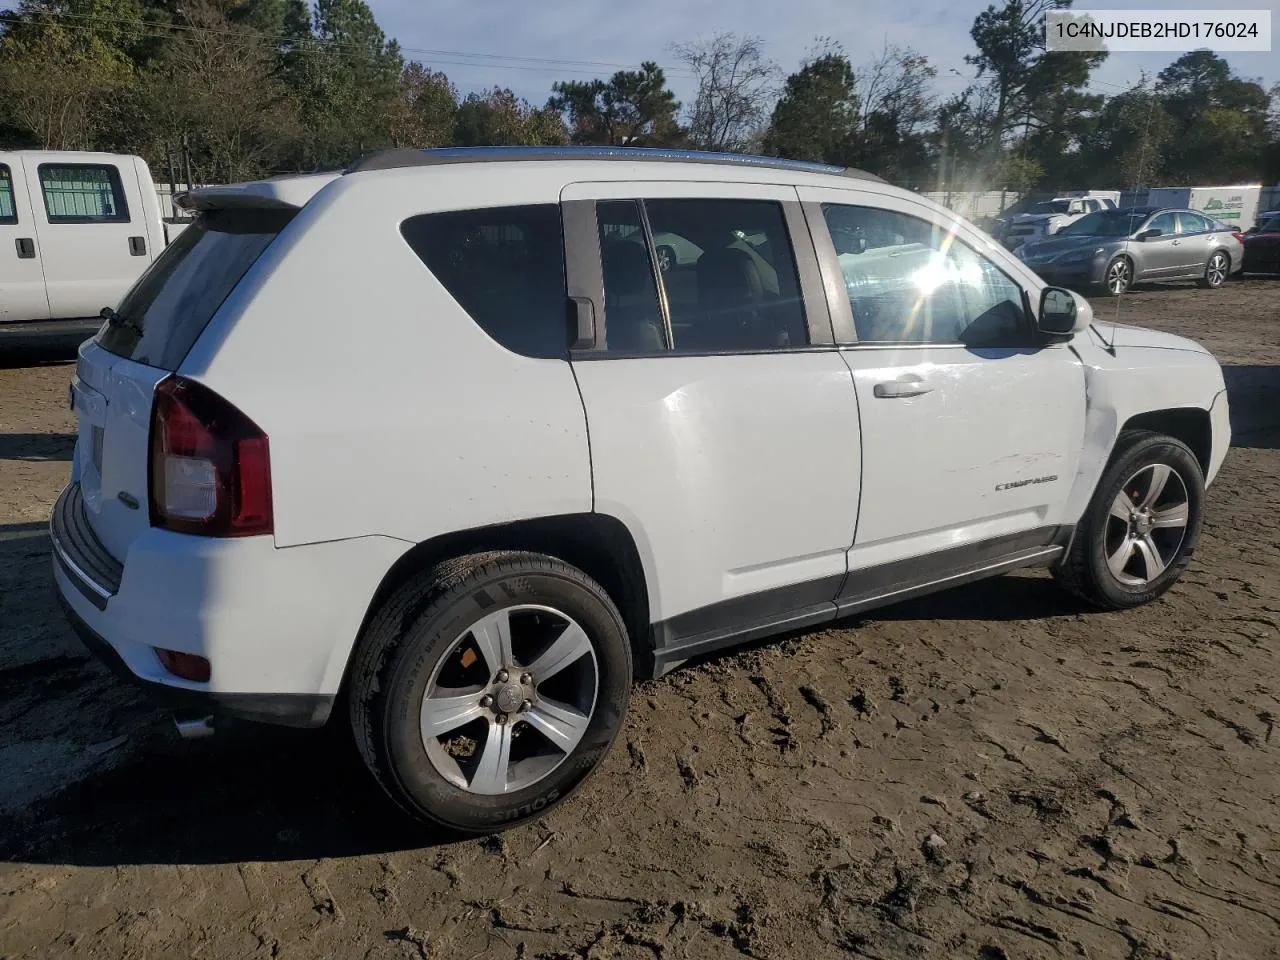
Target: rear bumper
(283,709)
(276,625)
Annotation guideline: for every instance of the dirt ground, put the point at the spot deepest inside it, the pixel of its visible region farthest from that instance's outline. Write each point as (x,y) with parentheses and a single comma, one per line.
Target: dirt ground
(988,773)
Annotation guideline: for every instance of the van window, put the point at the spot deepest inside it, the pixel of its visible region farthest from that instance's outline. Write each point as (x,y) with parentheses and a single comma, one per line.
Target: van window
(8,210)
(83,193)
(505,267)
(165,312)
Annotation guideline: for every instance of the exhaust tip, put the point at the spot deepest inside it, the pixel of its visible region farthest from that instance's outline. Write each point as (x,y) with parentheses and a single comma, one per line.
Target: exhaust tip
(194,728)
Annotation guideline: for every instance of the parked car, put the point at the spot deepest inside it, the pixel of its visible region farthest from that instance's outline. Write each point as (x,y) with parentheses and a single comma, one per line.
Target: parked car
(1047,218)
(1262,247)
(1265,217)
(1114,249)
(470,475)
(76,230)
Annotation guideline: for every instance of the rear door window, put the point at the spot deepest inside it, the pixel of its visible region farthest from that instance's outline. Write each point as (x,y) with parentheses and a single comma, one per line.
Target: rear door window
(83,193)
(505,267)
(1193,223)
(8,208)
(165,312)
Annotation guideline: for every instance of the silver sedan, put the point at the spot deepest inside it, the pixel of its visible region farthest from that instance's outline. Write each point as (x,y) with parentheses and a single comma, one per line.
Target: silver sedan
(1117,248)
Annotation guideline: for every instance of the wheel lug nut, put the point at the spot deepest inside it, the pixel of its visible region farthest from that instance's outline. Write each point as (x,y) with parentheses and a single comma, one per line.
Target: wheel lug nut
(527,705)
(526,678)
(486,701)
(502,676)
(502,718)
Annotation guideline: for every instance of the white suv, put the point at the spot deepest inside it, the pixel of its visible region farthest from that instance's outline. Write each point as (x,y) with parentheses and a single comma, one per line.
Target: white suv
(463,440)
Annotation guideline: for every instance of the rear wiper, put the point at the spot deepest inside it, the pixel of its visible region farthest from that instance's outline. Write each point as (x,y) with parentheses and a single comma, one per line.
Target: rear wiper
(114,319)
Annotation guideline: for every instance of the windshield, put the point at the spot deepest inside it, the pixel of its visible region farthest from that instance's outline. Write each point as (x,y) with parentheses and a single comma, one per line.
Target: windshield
(1052,206)
(165,312)
(1104,223)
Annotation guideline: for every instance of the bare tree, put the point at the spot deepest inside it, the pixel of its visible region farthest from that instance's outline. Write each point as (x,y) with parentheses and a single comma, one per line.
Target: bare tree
(737,86)
(897,84)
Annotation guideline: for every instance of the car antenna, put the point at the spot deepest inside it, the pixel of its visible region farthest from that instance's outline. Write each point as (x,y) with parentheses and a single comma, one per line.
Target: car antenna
(1133,206)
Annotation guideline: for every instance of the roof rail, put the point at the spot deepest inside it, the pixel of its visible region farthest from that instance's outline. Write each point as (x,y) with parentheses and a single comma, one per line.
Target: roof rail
(410,157)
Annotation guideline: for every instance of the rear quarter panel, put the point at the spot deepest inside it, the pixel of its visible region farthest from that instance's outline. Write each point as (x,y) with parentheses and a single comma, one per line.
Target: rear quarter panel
(389,411)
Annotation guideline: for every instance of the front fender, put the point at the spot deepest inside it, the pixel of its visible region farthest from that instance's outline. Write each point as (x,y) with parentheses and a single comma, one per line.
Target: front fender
(1127,381)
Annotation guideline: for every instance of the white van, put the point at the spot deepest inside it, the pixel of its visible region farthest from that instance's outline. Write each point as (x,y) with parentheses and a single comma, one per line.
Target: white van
(76,230)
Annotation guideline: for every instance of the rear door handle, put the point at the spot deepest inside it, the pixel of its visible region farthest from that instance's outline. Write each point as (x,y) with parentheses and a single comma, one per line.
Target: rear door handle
(1176,242)
(137,246)
(901,388)
(26,248)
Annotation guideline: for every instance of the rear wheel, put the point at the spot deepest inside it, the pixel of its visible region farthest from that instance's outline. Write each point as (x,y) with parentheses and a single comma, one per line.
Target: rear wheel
(1119,276)
(488,690)
(1216,270)
(1141,527)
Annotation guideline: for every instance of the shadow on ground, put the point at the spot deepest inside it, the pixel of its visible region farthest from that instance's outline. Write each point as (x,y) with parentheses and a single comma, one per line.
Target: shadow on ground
(37,446)
(250,793)
(1254,394)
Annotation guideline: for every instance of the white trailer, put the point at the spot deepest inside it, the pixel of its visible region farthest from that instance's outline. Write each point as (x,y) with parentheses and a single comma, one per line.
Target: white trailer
(1235,206)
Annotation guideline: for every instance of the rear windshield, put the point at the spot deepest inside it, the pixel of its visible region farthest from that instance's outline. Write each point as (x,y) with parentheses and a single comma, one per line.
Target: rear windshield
(165,312)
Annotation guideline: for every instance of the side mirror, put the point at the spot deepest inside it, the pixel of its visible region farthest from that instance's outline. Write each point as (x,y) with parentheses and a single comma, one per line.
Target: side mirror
(1063,313)
(1149,234)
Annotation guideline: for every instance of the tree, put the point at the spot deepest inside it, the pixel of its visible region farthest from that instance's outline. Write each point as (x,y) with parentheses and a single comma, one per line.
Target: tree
(817,116)
(346,77)
(61,85)
(184,95)
(500,118)
(633,107)
(736,85)
(896,106)
(1026,79)
(426,110)
(1126,146)
(1219,120)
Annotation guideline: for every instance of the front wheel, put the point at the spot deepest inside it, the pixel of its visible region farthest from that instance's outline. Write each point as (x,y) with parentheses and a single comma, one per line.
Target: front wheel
(1216,271)
(1119,276)
(1140,529)
(486,691)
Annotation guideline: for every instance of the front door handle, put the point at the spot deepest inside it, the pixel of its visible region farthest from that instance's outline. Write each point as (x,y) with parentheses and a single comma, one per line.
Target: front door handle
(901,388)
(137,246)
(1176,242)
(26,248)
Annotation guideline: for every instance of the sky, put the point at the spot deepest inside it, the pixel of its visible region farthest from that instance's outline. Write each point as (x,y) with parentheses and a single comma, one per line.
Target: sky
(528,44)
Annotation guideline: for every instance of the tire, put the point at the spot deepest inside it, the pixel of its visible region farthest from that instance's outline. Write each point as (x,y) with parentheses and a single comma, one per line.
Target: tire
(425,634)
(1118,277)
(1216,270)
(1085,571)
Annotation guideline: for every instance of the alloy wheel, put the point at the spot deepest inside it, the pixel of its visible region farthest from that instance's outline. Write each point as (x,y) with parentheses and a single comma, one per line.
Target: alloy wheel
(1216,273)
(1146,525)
(1118,276)
(510,700)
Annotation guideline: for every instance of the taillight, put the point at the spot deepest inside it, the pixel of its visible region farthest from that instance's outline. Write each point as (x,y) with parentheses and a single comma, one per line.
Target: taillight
(1238,235)
(210,464)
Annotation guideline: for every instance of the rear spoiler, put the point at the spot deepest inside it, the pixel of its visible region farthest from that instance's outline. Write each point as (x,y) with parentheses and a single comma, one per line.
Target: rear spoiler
(281,193)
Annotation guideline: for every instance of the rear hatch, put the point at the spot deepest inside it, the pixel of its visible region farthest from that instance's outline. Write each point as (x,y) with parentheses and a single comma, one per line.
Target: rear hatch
(145,340)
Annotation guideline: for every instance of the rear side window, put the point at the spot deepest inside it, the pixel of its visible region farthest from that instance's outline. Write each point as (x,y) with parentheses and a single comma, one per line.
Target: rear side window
(165,312)
(8,210)
(505,267)
(83,193)
(1193,223)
